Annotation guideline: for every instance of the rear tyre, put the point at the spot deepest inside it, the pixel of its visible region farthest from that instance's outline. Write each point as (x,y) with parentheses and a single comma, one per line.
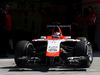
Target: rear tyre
(82,38)
(84,49)
(22,50)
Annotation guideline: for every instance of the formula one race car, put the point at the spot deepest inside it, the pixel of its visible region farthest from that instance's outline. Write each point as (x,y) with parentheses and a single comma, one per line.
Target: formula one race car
(54,50)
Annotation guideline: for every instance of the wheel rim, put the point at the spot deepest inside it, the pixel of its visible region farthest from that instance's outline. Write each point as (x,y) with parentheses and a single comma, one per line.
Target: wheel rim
(90,55)
(30,49)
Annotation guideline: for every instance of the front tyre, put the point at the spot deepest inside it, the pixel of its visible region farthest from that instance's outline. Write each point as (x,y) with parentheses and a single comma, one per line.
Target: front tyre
(84,48)
(22,52)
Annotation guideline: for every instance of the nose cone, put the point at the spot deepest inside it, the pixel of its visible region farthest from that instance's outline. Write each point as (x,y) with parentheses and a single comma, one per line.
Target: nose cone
(52,54)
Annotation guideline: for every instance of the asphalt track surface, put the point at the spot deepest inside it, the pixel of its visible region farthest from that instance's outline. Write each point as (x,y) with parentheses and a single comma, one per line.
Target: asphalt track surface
(8,67)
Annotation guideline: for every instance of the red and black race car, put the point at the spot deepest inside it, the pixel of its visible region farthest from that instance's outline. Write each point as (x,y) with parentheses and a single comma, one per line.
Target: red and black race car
(54,50)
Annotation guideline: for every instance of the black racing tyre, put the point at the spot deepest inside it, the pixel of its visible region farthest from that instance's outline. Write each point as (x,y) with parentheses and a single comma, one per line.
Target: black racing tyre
(23,48)
(84,49)
(82,38)
(80,49)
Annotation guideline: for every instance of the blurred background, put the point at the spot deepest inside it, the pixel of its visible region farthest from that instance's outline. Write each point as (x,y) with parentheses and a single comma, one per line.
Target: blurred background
(30,17)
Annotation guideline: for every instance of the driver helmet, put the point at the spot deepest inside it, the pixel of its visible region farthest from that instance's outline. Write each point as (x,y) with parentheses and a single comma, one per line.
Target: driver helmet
(56,35)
